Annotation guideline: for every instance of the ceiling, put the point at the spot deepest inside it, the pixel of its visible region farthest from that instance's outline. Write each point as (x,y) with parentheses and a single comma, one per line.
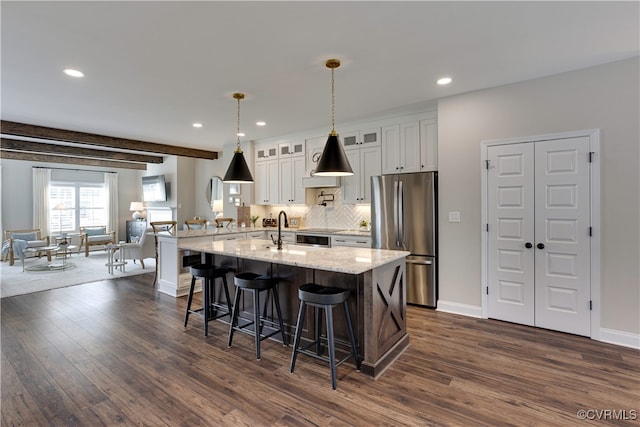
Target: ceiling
(154,68)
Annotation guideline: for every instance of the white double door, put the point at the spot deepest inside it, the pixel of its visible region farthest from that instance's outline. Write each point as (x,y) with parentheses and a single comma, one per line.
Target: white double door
(538,200)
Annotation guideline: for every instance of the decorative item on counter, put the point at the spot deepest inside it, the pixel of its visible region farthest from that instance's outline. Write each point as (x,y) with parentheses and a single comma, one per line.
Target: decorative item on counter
(364,225)
(294,222)
(269,222)
(244,214)
(254,219)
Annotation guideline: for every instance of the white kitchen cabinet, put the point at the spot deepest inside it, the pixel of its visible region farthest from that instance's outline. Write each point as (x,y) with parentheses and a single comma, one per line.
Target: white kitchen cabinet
(401,148)
(428,145)
(287,236)
(290,148)
(266,182)
(365,162)
(291,171)
(361,138)
(266,151)
(353,241)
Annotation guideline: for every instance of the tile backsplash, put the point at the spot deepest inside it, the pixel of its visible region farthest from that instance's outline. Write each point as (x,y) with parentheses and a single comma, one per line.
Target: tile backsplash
(335,214)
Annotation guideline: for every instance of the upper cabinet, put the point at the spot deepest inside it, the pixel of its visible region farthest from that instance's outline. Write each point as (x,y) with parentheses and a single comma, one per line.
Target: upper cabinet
(428,145)
(265,151)
(361,138)
(363,151)
(291,171)
(266,182)
(290,148)
(410,147)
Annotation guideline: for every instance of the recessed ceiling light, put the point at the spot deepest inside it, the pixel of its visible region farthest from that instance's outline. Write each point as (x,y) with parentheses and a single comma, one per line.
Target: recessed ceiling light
(240,134)
(73,73)
(444,81)
(261,123)
(197,125)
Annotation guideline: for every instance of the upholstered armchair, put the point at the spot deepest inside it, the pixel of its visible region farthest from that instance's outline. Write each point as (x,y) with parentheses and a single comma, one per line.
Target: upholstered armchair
(16,241)
(143,248)
(95,235)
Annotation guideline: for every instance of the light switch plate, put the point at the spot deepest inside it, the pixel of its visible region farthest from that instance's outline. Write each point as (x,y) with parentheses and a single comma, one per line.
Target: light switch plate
(454,216)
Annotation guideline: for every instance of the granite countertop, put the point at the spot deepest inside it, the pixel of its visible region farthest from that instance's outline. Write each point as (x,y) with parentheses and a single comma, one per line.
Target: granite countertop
(227,230)
(340,259)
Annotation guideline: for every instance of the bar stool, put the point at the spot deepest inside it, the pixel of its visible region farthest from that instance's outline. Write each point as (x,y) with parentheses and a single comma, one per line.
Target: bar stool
(208,274)
(326,298)
(255,283)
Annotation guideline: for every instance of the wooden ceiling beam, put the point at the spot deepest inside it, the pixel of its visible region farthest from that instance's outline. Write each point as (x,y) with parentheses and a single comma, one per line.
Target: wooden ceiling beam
(66,150)
(33,157)
(53,134)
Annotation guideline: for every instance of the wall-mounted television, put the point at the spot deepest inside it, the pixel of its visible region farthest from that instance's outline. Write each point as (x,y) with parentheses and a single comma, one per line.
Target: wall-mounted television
(154,188)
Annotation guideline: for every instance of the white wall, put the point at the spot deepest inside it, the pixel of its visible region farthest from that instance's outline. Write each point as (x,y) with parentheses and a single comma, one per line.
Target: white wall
(605,97)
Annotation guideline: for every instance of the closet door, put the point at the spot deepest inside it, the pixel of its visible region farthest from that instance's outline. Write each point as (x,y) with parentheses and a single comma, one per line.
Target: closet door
(562,244)
(511,233)
(539,251)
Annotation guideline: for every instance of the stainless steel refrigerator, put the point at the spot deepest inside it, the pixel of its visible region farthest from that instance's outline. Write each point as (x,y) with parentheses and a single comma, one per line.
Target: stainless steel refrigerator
(404,210)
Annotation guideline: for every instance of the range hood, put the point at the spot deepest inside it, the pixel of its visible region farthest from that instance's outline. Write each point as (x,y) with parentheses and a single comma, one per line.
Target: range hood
(320,181)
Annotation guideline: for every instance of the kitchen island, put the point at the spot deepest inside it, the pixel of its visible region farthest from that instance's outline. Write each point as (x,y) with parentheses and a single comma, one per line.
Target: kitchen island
(375,277)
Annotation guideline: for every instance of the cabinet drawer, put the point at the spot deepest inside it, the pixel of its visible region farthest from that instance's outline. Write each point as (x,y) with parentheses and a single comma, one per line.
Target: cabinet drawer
(362,242)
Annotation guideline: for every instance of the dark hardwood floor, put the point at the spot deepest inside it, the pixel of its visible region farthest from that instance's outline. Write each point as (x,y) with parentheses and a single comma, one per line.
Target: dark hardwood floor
(116,353)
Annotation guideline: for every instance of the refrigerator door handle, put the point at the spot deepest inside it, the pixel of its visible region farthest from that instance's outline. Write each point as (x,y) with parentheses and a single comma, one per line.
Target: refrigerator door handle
(401,213)
(415,261)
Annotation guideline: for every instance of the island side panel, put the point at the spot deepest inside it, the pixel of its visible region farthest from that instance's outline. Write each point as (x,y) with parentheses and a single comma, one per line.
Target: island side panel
(385,311)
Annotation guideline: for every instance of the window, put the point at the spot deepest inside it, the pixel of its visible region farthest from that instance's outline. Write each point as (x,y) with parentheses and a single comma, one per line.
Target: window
(75,205)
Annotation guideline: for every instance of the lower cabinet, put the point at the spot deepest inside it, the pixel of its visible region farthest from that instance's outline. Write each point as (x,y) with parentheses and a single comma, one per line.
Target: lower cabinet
(354,241)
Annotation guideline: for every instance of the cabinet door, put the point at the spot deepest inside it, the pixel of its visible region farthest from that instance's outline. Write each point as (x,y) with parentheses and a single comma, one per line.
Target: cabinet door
(410,147)
(350,140)
(286,183)
(266,151)
(370,165)
(291,148)
(370,137)
(298,172)
(391,149)
(351,184)
(266,182)
(428,145)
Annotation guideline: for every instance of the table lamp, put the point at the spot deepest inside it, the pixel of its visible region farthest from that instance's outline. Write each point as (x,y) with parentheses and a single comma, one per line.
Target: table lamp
(137,207)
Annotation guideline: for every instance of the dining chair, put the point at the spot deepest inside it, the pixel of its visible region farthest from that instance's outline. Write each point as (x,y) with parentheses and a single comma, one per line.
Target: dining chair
(196,224)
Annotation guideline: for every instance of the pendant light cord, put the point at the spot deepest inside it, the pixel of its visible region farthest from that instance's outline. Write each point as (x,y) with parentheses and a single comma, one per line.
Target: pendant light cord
(333,104)
(238,133)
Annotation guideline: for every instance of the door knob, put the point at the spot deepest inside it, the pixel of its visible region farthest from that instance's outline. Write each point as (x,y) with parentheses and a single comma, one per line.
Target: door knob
(540,245)
(528,245)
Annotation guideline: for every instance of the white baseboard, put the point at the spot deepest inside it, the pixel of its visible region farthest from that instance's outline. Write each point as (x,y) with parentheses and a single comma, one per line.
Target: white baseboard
(457,308)
(625,339)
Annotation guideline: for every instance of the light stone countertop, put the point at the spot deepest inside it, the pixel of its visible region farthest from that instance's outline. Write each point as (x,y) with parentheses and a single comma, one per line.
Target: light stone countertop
(226,230)
(340,259)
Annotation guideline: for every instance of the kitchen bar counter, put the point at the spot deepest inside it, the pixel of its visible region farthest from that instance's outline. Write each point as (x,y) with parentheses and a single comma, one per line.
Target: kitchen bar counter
(375,277)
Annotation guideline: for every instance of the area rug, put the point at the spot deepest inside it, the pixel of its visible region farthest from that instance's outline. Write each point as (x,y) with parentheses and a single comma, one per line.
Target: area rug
(14,281)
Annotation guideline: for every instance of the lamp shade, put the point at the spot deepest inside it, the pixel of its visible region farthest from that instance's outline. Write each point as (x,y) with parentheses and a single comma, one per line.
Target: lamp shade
(60,207)
(238,171)
(333,161)
(217,205)
(136,206)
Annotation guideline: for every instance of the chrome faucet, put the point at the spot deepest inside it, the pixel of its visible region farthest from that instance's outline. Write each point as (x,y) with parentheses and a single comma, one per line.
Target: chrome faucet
(286,223)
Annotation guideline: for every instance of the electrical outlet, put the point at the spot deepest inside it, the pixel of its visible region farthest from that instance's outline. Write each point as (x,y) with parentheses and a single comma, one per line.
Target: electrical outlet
(454,216)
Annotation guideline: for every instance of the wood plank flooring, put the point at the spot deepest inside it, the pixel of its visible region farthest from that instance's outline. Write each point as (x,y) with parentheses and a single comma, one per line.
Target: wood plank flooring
(116,353)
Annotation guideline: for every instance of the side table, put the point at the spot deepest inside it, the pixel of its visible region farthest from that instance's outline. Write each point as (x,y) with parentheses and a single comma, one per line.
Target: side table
(112,263)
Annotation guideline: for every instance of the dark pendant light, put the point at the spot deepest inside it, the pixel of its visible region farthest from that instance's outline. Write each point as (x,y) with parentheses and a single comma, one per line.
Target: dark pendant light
(333,161)
(238,171)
